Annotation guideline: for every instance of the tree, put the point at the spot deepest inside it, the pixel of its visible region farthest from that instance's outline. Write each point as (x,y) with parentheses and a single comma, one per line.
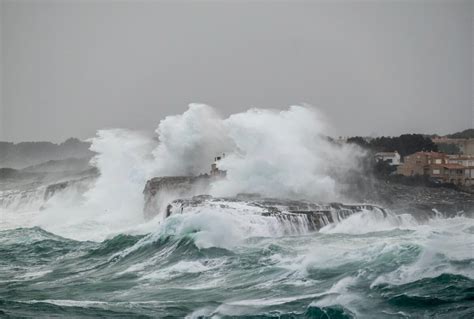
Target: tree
(359,141)
(449,148)
(404,144)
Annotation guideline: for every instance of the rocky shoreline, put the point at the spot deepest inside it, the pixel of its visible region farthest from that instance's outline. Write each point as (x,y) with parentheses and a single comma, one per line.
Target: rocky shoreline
(161,192)
(312,215)
(415,199)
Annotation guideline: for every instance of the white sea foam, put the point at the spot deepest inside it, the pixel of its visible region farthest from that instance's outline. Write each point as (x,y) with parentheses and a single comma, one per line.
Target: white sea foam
(339,294)
(371,221)
(182,267)
(443,241)
(271,152)
(275,153)
(227,227)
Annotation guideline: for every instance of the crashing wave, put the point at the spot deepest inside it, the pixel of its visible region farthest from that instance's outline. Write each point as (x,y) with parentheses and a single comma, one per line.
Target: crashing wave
(35,198)
(297,216)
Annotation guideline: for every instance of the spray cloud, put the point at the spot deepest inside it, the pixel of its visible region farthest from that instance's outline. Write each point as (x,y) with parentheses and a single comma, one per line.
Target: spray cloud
(271,152)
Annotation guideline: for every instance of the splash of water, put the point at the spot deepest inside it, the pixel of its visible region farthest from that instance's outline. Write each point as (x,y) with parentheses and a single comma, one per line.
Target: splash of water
(271,152)
(275,153)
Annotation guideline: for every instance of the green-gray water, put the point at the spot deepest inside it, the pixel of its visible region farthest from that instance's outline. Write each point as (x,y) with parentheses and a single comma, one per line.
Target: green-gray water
(110,242)
(364,267)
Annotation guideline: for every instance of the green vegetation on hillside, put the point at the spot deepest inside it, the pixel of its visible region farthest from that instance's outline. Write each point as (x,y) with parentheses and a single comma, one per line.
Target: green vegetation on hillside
(405,144)
(469,133)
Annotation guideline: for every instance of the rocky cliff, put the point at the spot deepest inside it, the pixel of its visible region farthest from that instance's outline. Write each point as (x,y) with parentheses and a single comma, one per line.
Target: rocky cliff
(160,191)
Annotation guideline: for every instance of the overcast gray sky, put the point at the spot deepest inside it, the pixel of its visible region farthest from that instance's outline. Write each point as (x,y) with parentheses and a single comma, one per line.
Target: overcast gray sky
(388,67)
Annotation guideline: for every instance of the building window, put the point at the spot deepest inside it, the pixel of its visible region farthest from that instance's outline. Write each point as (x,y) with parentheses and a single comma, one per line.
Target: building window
(436,171)
(438,161)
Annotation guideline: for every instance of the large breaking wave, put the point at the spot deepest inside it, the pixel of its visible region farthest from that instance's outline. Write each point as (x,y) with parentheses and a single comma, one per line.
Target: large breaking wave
(195,268)
(270,152)
(87,250)
(274,153)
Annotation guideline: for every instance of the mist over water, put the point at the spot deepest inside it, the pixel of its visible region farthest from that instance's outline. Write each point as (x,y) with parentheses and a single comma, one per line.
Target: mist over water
(89,250)
(283,154)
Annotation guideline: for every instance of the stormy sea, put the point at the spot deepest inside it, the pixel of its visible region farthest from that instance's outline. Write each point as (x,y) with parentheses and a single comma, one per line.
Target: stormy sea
(284,224)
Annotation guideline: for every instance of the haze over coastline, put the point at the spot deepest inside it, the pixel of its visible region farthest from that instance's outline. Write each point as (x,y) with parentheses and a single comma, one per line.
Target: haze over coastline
(71,68)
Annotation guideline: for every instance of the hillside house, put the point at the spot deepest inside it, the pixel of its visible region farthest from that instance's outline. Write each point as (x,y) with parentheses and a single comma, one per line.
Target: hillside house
(393,158)
(416,163)
(444,168)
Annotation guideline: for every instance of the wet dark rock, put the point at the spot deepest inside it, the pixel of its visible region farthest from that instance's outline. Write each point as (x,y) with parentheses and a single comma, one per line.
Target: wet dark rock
(418,199)
(176,194)
(312,215)
(160,191)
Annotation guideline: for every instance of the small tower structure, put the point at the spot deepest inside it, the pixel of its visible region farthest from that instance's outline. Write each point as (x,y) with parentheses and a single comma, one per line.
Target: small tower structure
(215,171)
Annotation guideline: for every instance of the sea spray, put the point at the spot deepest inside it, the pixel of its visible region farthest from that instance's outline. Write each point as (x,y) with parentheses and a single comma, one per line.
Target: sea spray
(189,142)
(378,274)
(230,260)
(271,152)
(282,154)
(124,161)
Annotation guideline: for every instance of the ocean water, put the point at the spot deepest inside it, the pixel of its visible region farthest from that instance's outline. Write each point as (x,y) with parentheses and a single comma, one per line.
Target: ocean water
(197,266)
(88,251)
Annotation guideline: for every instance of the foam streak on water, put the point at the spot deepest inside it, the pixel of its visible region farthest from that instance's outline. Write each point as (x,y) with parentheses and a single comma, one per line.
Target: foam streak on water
(222,264)
(91,253)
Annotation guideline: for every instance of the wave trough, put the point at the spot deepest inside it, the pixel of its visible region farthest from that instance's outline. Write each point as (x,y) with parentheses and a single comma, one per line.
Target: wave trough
(84,248)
